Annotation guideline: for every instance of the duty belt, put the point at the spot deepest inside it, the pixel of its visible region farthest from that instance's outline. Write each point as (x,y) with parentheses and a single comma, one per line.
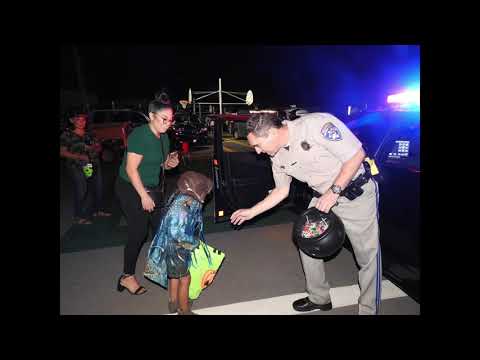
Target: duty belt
(354,189)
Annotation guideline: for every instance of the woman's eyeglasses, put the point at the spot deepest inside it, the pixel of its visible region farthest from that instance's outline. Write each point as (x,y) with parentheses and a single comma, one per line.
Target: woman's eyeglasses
(166,119)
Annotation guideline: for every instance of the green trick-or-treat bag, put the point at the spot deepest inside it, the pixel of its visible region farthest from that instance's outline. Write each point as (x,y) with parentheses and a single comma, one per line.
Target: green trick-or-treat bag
(202,272)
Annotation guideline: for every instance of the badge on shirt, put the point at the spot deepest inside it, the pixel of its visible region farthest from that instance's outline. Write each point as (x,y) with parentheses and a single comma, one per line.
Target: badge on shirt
(305,145)
(331,132)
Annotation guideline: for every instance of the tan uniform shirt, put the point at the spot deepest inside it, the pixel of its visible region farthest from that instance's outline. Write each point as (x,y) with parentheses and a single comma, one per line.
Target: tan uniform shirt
(319,144)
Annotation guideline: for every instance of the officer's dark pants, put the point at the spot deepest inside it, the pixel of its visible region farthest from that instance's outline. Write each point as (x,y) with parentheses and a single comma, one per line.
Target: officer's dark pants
(137,219)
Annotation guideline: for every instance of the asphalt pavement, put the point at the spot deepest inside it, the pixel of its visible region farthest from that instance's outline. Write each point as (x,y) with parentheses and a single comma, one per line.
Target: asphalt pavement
(261,274)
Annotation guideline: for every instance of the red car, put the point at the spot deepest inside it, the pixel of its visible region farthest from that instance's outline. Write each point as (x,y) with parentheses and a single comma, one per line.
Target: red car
(112,126)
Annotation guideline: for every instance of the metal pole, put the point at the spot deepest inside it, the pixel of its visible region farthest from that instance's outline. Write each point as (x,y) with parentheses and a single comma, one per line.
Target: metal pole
(220,94)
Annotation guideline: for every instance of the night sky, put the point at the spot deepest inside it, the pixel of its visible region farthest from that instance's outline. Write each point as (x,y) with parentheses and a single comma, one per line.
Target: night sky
(324,76)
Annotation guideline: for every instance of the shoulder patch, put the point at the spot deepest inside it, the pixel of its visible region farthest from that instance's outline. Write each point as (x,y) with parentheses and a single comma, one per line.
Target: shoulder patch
(331,132)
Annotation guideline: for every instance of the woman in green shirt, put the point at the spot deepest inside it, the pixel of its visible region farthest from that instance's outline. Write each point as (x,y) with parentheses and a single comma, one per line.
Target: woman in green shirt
(147,152)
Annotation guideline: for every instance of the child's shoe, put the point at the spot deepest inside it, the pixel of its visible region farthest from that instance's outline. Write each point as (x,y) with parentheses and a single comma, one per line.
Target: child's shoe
(189,312)
(172,307)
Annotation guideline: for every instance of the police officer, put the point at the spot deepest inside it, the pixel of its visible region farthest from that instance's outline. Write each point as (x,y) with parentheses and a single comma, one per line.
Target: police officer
(320,150)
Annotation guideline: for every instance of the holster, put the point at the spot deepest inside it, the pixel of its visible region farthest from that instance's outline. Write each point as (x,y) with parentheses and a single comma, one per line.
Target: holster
(354,189)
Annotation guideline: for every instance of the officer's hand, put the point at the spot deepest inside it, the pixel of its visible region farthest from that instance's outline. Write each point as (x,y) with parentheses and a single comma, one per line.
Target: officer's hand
(327,201)
(241,215)
(147,203)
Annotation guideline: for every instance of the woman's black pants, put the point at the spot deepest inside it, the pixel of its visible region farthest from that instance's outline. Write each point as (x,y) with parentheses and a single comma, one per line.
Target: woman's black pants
(138,221)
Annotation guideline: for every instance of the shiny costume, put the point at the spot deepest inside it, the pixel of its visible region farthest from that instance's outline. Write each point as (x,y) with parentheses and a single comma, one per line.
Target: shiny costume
(179,233)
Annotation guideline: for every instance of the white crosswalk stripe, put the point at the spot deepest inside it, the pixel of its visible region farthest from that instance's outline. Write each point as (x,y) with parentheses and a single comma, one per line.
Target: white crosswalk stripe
(282,305)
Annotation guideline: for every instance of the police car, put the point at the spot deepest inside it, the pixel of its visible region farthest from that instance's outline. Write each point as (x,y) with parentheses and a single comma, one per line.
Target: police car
(391,137)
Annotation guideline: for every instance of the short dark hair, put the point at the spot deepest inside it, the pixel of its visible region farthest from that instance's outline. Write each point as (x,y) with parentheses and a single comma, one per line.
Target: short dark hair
(260,123)
(77,116)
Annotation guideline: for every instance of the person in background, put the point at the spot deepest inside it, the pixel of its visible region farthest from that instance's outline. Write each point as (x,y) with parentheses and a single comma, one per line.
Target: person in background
(81,151)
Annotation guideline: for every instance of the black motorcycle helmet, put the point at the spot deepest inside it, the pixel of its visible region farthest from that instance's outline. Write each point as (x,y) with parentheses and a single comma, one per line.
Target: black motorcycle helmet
(318,234)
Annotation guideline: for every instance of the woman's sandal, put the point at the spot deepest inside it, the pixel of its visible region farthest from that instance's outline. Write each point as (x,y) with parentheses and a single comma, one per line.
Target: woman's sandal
(140,290)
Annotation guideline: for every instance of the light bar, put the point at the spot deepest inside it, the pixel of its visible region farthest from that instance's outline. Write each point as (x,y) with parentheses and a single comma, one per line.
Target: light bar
(407,97)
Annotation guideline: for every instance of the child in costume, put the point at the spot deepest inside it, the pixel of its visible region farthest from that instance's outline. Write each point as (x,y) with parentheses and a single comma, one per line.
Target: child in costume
(179,233)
